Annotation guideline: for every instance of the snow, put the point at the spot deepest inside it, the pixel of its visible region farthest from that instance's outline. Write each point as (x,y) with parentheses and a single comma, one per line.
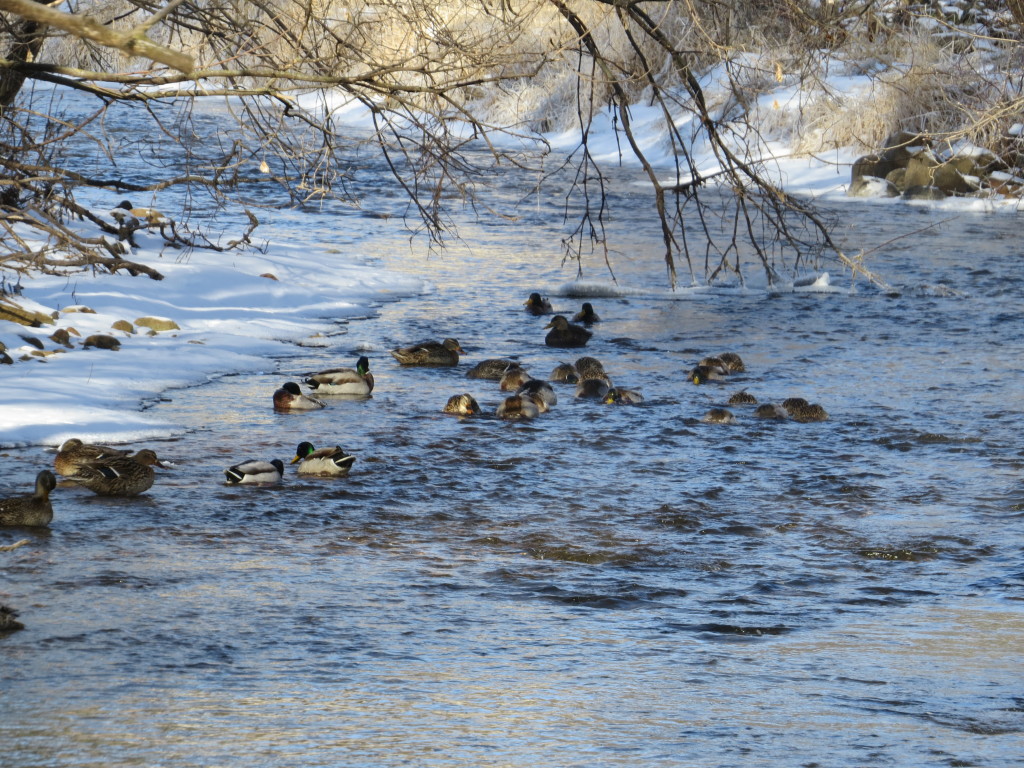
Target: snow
(232,318)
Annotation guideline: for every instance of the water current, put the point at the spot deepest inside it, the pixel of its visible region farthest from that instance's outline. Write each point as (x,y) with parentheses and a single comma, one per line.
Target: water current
(603,585)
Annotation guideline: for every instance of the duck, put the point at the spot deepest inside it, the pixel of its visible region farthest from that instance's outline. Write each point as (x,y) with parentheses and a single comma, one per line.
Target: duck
(290,398)
(592,388)
(513,379)
(517,407)
(344,381)
(72,453)
(326,462)
(742,398)
(432,353)
(733,362)
(9,620)
(586,315)
(793,403)
(719,416)
(537,305)
(491,369)
(255,472)
(702,374)
(119,476)
(30,511)
(591,368)
(464,405)
(566,335)
(621,396)
(565,372)
(125,213)
(541,392)
(770,411)
(807,413)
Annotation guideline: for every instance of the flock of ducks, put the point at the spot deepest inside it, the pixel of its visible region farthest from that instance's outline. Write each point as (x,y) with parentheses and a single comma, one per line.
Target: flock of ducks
(108,471)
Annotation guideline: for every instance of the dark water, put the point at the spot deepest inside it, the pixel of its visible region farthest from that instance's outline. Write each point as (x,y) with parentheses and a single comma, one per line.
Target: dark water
(601,586)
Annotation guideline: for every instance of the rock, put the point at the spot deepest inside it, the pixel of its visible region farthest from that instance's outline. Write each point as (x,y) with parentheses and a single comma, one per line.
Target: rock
(871,165)
(897,178)
(23,316)
(920,170)
(123,325)
(61,336)
(5,359)
(79,308)
(899,147)
(269,276)
(101,341)
(32,341)
(157,323)
(951,180)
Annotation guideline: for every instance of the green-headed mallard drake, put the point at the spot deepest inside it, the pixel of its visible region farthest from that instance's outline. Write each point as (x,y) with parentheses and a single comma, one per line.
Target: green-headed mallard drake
(541,392)
(702,374)
(537,305)
(9,620)
(33,510)
(719,416)
(807,413)
(326,462)
(566,335)
(434,353)
(732,362)
(586,315)
(513,379)
(492,369)
(592,388)
(742,398)
(344,381)
(73,453)
(770,411)
(125,213)
(464,405)
(290,398)
(255,472)
(621,396)
(565,372)
(591,368)
(517,407)
(120,476)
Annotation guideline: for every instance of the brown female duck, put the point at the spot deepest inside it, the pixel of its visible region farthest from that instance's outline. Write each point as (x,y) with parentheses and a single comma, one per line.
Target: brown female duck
(33,510)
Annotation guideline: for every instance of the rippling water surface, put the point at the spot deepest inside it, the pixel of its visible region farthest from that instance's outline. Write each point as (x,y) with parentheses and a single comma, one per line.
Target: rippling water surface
(601,586)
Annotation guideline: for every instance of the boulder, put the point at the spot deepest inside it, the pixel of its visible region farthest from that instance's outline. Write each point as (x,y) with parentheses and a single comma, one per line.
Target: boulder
(157,323)
(872,186)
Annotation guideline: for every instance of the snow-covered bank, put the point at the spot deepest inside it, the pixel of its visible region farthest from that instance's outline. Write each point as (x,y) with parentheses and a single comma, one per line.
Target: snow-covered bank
(230,319)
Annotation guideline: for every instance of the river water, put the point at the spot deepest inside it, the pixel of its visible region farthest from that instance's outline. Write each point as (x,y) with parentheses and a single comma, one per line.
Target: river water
(604,585)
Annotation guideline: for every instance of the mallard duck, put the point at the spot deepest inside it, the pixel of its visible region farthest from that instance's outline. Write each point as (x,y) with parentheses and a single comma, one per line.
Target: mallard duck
(564,334)
(513,379)
(73,453)
(732,362)
(30,511)
(702,374)
(464,405)
(517,407)
(770,411)
(125,213)
(429,353)
(592,388)
(742,398)
(492,369)
(9,620)
(591,368)
(120,476)
(586,315)
(792,403)
(621,396)
(255,472)
(719,416)
(290,398)
(565,372)
(328,462)
(344,381)
(541,392)
(808,413)
(536,305)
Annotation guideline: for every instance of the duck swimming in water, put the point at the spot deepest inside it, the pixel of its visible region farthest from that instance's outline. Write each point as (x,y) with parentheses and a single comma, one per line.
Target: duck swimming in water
(325,462)
(621,396)
(290,398)
(464,405)
(492,369)
(565,372)
(566,335)
(429,353)
(120,476)
(586,315)
(255,472)
(73,453)
(344,381)
(537,305)
(33,510)
(517,407)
